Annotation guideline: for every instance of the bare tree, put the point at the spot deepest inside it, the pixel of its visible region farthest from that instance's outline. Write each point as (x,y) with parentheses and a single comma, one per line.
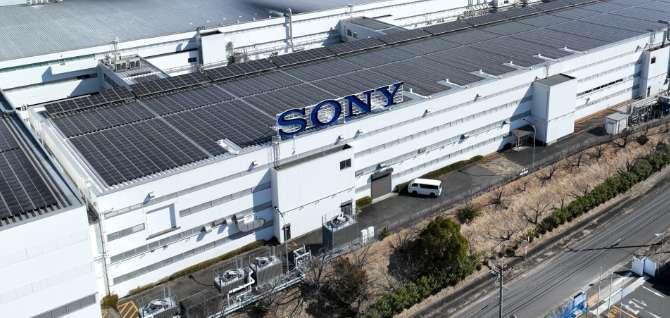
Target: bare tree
(498,199)
(580,190)
(551,171)
(623,139)
(523,186)
(598,152)
(535,213)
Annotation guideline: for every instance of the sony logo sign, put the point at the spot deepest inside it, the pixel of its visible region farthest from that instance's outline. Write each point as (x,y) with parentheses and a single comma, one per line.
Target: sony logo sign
(330,111)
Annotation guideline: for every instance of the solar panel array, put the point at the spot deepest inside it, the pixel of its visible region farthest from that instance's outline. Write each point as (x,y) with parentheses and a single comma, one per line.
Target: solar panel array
(23,189)
(136,150)
(239,102)
(103,98)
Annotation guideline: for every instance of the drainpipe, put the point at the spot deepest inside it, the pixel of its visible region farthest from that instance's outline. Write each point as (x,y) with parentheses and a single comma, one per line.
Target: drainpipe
(290,28)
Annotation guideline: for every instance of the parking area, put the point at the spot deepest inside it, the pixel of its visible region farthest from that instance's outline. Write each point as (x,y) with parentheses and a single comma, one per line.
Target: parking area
(651,300)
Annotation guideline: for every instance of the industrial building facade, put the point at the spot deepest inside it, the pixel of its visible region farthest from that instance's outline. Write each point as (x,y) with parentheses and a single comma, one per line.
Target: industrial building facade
(194,169)
(181,169)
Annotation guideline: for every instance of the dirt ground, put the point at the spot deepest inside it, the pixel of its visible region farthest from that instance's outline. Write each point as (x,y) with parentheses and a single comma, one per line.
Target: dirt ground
(507,220)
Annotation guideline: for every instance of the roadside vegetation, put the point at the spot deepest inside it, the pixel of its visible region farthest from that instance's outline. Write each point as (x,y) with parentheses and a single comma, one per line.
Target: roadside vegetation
(407,267)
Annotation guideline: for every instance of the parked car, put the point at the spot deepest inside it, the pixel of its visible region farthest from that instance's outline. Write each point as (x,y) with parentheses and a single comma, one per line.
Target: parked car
(427,187)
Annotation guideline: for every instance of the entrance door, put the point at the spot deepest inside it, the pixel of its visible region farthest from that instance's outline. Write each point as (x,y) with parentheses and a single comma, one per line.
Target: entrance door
(381,183)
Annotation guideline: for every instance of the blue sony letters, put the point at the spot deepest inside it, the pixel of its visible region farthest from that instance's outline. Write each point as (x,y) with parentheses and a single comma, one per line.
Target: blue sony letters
(299,123)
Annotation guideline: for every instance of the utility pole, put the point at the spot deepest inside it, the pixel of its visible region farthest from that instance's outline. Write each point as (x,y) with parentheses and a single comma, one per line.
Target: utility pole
(499,272)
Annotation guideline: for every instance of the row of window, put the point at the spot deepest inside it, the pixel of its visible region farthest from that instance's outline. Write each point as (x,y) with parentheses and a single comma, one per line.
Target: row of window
(68,308)
(516,103)
(442,143)
(190,253)
(179,236)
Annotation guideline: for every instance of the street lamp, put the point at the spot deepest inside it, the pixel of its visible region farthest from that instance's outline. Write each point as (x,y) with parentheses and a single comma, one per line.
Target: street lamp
(532,166)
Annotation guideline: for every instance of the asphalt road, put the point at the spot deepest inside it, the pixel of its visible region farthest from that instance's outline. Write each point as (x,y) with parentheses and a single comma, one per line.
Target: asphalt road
(559,276)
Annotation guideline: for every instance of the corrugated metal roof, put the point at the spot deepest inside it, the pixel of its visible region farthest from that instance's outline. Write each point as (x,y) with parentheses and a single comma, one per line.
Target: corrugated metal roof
(76,24)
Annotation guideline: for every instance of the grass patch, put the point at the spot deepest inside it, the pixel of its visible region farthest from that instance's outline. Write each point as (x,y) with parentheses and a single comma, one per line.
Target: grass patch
(199,266)
(109,301)
(452,167)
(402,187)
(363,202)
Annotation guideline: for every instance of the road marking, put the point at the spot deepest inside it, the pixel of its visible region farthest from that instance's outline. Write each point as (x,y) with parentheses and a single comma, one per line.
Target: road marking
(654,315)
(128,309)
(653,292)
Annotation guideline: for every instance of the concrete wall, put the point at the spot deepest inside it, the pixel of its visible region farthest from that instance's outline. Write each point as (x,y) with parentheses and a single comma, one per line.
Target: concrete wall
(47,263)
(310,192)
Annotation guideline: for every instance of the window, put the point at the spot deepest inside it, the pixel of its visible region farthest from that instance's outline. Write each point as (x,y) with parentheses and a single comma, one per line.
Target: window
(355,35)
(345,164)
(349,33)
(192,59)
(287,232)
(648,91)
(428,186)
(345,208)
(653,60)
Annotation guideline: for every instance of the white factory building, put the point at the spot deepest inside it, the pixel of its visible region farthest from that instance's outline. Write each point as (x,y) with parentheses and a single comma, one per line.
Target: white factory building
(182,158)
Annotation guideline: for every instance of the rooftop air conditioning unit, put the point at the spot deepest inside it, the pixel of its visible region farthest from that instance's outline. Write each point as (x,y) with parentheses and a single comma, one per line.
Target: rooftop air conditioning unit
(160,308)
(339,231)
(230,279)
(266,270)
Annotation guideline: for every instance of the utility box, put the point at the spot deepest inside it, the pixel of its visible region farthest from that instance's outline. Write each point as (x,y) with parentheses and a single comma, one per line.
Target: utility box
(616,123)
(339,231)
(266,270)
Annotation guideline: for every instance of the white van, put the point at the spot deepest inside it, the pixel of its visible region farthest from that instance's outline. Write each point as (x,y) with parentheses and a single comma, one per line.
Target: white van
(428,187)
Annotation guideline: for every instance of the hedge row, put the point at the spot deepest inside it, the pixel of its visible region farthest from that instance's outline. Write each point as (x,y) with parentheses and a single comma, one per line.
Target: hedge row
(394,302)
(610,188)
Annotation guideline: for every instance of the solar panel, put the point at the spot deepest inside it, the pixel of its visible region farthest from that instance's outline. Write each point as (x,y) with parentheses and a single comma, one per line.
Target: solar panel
(302,56)
(486,19)
(355,46)
(126,153)
(403,36)
(379,57)
(321,69)
(101,118)
(521,12)
(442,28)
(219,73)
(236,121)
(255,84)
(7,141)
(22,189)
(278,101)
(185,100)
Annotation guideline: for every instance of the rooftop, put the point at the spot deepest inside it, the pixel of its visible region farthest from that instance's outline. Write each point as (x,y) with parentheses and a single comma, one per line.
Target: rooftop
(164,124)
(28,31)
(26,188)
(556,79)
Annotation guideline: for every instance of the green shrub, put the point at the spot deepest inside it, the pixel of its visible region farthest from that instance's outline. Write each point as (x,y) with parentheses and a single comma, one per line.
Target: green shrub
(610,188)
(363,202)
(468,213)
(452,167)
(109,301)
(384,233)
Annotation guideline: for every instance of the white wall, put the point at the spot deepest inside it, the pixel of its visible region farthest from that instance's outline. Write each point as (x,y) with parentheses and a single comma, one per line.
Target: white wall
(47,262)
(311,191)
